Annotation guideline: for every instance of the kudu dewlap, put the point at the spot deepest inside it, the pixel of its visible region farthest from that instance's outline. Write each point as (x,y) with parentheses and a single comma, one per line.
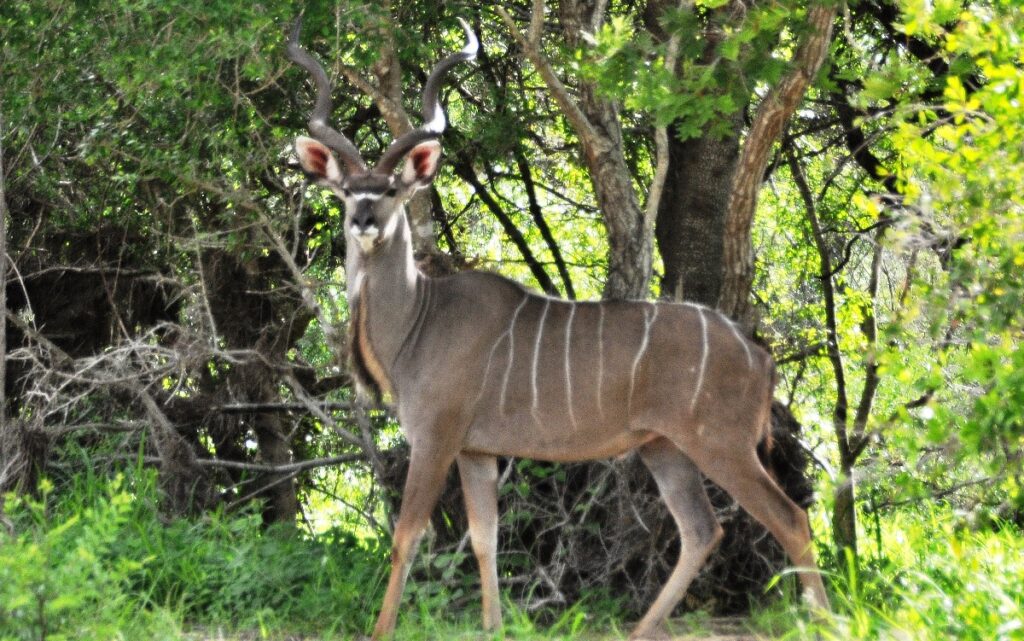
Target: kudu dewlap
(477,366)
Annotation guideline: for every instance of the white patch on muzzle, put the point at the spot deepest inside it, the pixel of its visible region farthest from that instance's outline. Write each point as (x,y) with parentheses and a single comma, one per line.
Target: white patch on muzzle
(366,237)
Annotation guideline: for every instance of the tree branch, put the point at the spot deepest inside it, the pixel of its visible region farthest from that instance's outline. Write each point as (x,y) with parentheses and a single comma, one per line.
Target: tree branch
(835,356)
(869,327)
(661,155)
(592,141)
(771,117)
(542,225)
(465,171)
(299,466)
(3,281)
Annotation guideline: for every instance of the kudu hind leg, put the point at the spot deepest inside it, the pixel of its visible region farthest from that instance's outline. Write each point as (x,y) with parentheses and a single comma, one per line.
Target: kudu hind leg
(741,474)
(423,485)
(479,474)
(682,488)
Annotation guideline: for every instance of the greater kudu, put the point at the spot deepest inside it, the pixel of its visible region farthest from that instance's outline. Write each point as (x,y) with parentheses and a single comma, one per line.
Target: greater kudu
(478,366)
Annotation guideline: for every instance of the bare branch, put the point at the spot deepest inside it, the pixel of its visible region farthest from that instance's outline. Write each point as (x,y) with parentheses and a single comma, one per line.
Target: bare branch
(316,410)
(464,169)
(869,327)
(835,356)
(538,217)
(243,408)
(592,141)
(661,136)
(300,466)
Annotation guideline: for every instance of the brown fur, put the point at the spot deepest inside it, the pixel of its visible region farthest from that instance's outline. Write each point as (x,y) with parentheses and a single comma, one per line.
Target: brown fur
(366,369)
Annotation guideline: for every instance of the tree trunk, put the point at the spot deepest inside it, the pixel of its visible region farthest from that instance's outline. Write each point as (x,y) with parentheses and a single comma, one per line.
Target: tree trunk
(844,513)
(772,115)
(630,249)
(691,215)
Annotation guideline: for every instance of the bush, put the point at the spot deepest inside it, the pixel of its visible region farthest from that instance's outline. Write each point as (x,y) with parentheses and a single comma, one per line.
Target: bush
(63,576)
(98,562)
(930,580)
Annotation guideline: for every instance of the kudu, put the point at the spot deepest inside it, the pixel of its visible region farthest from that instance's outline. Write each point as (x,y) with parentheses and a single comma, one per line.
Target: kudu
(478,366)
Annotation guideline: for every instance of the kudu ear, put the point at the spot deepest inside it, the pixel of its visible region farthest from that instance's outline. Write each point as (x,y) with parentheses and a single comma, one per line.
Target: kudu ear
(421,164)
(317,160)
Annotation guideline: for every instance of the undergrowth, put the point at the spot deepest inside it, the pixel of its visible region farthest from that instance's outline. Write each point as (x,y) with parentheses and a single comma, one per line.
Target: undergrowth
(98,562)
(931,579)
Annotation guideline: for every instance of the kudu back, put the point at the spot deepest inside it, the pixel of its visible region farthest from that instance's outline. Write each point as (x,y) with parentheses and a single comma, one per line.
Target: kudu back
(478,366)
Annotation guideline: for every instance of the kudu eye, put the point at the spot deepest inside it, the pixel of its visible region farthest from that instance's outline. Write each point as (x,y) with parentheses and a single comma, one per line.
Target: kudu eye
(346,191)
(390,193)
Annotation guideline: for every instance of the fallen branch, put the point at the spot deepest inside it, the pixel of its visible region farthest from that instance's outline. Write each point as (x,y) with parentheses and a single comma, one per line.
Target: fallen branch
(287,468)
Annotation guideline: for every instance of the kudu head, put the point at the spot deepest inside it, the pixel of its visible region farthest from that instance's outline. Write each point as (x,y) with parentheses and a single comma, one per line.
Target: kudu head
(373,197)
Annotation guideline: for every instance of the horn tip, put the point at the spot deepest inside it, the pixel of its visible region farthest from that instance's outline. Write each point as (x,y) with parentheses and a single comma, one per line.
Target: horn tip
(472,44)
(296,29)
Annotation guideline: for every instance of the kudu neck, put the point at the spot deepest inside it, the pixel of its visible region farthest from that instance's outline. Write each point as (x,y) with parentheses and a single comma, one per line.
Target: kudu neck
(390,265)
(388,287)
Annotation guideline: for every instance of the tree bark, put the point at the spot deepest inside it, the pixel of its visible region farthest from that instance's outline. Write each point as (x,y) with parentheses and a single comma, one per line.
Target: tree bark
(691,212)
(691,216)
(596,123)
(771,117)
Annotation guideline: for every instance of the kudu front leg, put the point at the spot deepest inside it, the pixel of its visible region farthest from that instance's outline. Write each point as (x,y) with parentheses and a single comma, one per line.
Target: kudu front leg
(423,485)
(479,474)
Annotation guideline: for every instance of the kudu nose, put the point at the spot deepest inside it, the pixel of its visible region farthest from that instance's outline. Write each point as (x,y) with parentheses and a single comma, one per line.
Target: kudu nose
(364,220)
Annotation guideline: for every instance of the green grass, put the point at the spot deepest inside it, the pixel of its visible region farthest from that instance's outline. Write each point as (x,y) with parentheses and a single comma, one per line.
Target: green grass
(932,580)
(97,562)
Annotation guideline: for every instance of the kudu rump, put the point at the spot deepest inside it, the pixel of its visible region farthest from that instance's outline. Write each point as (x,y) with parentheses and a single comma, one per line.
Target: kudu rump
(478,366)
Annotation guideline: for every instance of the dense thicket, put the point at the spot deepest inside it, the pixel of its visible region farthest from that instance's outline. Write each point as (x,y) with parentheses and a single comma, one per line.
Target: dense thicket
(173,288)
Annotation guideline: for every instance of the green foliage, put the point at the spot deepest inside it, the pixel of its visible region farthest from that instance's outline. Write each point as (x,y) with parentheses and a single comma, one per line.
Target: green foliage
(226,570)
(64,574)
(720,61)
(962,167)
(98,562)
(929,580)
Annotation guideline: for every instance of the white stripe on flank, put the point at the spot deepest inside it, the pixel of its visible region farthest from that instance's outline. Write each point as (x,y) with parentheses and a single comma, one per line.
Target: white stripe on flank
(534,396)
(510,332)
(600,358)
(743,342)
(648,322)
(703,358)
(568,376)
